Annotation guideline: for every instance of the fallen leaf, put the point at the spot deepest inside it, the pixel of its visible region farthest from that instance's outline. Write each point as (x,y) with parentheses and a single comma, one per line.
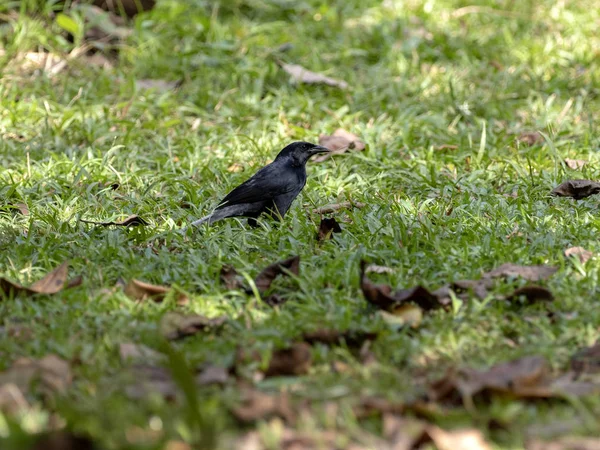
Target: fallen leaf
(51,284)
(301,75)
(531,293)
(401,315)
(577,189)
(403,433)
(291,361)
(465,439)
(235,167)
(447,147)
(328,209)
(22,208)
(51,374)
(231,279)
(339,142)
(151,379)
(158,85)
(63,440)
(129,351)
(527,378)
(74,282)
(380,295)
(265,278)
(175,326)
(580,253)
(586,360)
(328,336)
(530,273)
(141,291)
(131,221)
(130,7)
(12,400)
(210,375)
(564,443)
(259,406)
(530,138)
(575,164)
(275,300)
(372,268)
(327,227)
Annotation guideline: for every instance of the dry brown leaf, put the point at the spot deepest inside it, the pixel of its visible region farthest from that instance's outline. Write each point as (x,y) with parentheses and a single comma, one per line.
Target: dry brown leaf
(291,361)
(235,167)
(580,253)
(531,293)
(51,374)
(530,273)
(22,208)
(175,326)
(564,443)
(63,440)
(328,336)
(586,360)
(210,375)
(51,284)
(129,7)
(465,439)
(141,291)
(380,295)
(231,278)
(265,278)
(447,147)
(526,378)
(577,189)
(129,352)
(301,75)
(339,142)
(131,221)
(159,85)
(575,164)
(328,209)
(530,138)
(258,406)
(12,400)
(373,268)
(327,227)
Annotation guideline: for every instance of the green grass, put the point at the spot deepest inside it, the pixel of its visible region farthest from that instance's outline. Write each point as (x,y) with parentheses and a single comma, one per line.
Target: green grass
(422,75)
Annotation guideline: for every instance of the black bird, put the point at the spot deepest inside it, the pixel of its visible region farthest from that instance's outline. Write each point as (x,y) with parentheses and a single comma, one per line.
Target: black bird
(270,190)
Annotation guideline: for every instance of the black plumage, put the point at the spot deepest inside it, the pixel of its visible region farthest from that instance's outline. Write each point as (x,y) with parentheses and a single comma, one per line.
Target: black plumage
(271,190)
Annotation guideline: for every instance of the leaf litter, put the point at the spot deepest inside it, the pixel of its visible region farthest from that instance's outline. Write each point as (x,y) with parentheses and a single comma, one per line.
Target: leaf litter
(580,253)
(52,283)
(142,291)
(174,326)
(339,142)
(327,227)
(577,189)
(575,164)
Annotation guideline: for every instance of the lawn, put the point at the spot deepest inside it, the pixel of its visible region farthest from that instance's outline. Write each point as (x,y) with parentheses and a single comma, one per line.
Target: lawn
(468,112)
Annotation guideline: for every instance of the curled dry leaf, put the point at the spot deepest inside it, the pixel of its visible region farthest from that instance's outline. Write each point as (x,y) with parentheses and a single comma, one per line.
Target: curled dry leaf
(327,227)
(337,206)
(411,434)
(265,278)
(141,291)
(51,284)
(301,75)
(530,138)
(339,142)
(231,278)
(131,221)
(530,273)
(50,374)
(175,326)
(257,405)
(575,164)
(577,189)
(291,361)
(528,378)
(531,293)
(580,253)
(380,295)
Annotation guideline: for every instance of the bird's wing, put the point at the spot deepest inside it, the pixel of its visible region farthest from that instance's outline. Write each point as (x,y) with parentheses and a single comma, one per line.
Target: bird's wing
(265,185)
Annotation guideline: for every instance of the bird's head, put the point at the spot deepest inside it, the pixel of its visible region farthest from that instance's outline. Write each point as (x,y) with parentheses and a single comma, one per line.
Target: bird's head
(300,152)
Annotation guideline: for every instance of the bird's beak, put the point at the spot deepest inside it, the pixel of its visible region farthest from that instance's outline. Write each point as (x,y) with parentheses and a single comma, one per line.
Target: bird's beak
(318,149)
